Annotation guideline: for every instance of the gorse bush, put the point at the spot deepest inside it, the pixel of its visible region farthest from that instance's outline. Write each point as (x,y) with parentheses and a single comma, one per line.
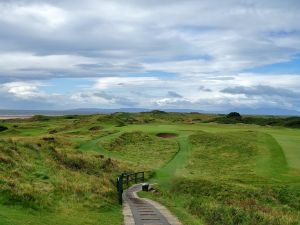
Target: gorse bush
(40,118)
(234,115)
(233,118)
(3,128)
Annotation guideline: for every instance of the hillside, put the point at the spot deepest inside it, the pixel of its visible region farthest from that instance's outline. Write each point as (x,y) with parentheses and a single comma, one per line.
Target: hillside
(62,170)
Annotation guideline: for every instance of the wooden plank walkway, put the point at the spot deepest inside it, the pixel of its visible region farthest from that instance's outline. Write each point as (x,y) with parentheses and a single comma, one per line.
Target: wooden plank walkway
(141,211)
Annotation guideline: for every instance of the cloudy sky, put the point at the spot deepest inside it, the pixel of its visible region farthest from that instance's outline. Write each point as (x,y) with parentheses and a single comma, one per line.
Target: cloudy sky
(196,54)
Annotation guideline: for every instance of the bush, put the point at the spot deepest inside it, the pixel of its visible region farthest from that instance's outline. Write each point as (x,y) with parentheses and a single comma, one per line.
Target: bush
(3,128)
(158,112)
(40,118)
(234,115)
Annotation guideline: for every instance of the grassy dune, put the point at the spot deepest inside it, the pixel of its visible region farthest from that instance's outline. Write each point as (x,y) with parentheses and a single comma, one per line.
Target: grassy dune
(61,170)
(41,181)
(234,178)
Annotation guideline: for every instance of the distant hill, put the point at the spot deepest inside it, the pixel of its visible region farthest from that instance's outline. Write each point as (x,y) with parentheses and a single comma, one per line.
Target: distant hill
(87,111)
(265,111)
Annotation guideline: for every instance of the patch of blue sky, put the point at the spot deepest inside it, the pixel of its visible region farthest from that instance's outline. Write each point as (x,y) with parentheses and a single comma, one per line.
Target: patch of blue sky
(66,85)
(153,73)
(283,33)
(202,57)
(290,67)
(192,57)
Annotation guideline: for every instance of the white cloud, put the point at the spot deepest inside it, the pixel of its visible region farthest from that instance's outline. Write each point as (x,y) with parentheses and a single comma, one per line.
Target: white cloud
(15,61)
(22,90)
(126,82)
(37,16)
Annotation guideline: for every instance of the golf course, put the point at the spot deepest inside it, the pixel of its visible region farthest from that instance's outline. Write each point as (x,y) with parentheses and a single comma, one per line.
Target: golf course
(205,168)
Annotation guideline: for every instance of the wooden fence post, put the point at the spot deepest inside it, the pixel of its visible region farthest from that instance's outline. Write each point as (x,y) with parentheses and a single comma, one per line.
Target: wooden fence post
(120,188)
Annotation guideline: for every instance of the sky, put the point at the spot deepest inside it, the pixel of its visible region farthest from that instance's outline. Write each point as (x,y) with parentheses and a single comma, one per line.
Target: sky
(194,54)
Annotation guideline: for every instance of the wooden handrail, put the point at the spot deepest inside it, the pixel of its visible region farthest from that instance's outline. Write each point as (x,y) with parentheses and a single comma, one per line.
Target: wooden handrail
(127,178)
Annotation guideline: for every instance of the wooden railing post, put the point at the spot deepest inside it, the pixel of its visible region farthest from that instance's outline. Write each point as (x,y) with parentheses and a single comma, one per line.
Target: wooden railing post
(120,188)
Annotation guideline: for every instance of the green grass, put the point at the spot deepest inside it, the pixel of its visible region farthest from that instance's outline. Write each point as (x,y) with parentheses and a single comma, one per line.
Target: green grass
(44,184)
(15,215)
(57,170)
(234,178)
(134,146)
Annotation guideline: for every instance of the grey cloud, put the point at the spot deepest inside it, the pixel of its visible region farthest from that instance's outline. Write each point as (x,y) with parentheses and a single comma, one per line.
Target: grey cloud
(110,67)
(173,94)
(104,95)
(220,78)
(203,88)
(119,100)
(261,90)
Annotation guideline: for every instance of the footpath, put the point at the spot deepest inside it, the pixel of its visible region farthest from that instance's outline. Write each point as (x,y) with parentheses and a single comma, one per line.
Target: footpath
(142,211)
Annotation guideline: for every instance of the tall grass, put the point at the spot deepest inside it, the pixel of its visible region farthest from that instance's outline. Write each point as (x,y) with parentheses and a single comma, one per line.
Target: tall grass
(44,177)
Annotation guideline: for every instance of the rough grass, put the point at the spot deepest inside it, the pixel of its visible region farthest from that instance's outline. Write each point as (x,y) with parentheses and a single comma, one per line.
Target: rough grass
(234,178)
(142,148)
(43,178)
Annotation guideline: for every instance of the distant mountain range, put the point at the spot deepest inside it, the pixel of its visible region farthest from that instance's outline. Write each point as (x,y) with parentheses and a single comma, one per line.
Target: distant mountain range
(87,111)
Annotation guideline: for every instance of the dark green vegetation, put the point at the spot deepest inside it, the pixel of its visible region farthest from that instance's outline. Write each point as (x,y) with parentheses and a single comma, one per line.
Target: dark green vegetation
(61,170)
(233,118)
(3,128)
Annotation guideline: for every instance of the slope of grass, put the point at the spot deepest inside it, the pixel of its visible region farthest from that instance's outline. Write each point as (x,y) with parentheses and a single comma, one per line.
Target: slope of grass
(41,183)
(234,178)
(290,142)
(144,149)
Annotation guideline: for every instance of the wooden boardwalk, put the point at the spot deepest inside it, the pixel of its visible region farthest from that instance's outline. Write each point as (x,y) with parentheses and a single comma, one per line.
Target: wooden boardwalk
(141,211)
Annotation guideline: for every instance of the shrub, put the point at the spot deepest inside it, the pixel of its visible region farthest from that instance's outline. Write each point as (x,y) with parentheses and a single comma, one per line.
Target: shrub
(234,115)
(3,128)
(158,112)
(40,118)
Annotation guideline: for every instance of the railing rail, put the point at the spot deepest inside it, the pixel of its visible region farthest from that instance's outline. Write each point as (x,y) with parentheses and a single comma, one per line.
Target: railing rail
(127,179)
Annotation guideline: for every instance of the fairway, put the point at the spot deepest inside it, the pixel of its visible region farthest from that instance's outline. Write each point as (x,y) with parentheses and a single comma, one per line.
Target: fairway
(290,143)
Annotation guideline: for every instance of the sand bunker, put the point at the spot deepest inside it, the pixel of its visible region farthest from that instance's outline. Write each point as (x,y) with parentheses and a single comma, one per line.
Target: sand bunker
(167,135)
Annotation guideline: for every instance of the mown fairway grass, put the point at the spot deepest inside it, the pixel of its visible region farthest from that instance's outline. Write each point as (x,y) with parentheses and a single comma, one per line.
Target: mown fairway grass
(61,170)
